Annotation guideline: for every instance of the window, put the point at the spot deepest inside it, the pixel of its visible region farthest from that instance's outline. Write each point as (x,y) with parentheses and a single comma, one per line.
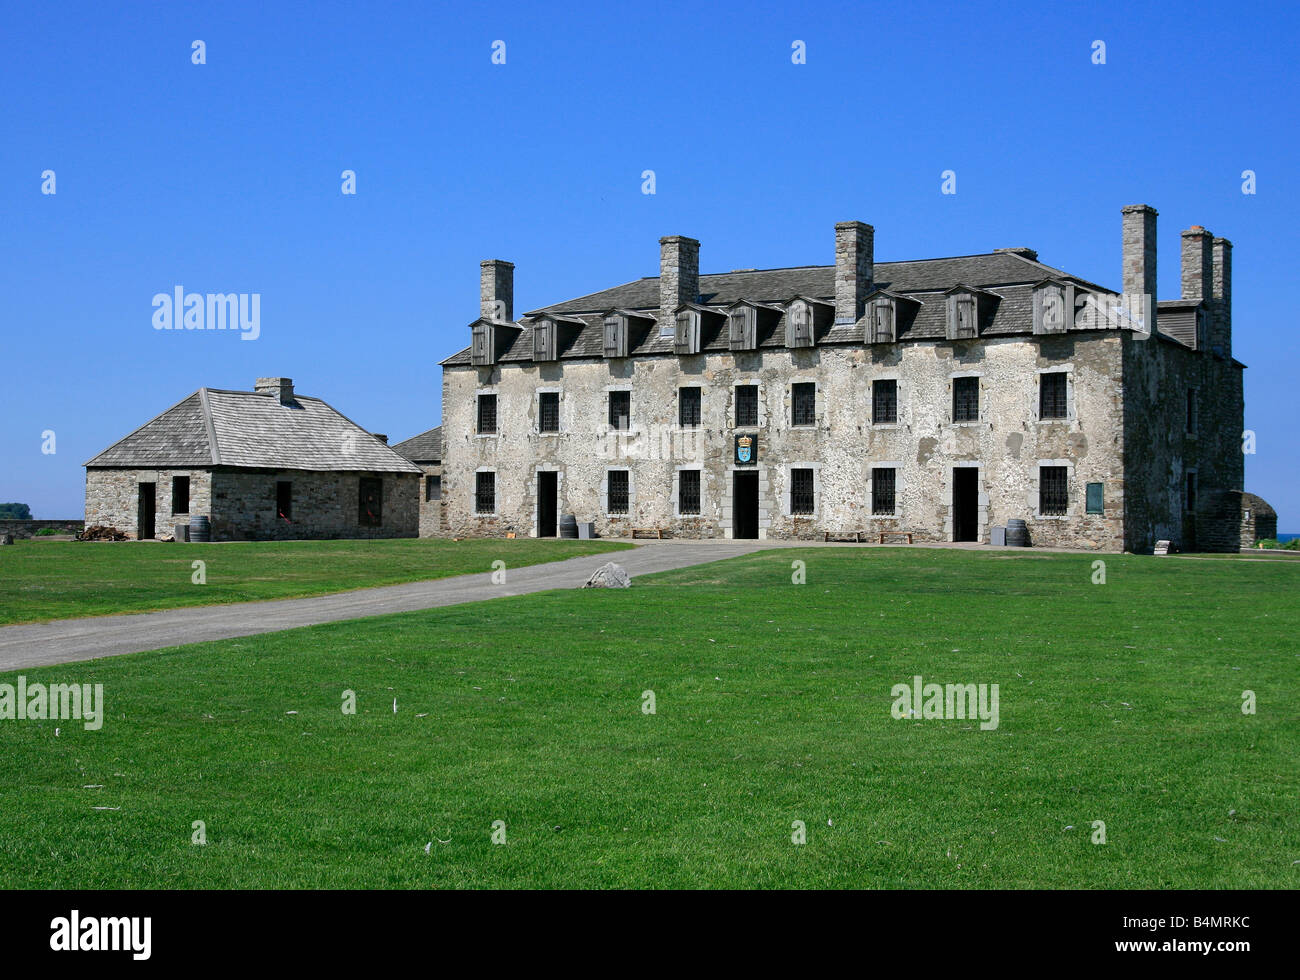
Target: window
(803,397)
(485,493)
(370,501)
(620,409)
(884,402)
(1053,490)
(548,411)
(433,488)
(1189,495)
(616,336)
(1191,411)
(1051,396)
(965,399)
(487,414)
(1095,500)
(883,483)
(801,491)
(688,407)
(880,323)
(688,492)
(961,316)
(617,491)
(180,495)
(284,501)
(799,326)
(746,404)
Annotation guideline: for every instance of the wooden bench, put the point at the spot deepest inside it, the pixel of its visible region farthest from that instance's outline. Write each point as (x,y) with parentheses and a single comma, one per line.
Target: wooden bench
(896,534)
(854,536)
(647,531)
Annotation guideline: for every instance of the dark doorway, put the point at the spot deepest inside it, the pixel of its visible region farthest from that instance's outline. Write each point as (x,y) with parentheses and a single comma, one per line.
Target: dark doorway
(547,492)
(146,511)
(965,503)
(744,505)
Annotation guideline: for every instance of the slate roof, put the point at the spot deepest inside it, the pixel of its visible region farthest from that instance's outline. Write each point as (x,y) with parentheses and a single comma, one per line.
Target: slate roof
(215,427)
(1008,275)
(424,448)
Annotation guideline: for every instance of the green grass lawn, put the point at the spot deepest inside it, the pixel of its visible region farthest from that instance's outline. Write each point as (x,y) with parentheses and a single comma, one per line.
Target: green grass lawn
(1118,703)
(43,580)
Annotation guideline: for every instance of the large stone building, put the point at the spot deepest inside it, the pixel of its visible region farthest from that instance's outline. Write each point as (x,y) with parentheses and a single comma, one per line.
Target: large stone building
(425,451)
(260,465)
(941,397)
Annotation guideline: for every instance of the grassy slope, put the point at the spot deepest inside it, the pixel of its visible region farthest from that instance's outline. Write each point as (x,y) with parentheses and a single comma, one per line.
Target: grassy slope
(1119,702)
(55,580)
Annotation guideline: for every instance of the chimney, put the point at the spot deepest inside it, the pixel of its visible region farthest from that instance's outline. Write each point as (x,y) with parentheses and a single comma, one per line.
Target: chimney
(1197,272)
(1221,294)
(278,388)
(381,436)
(1139,265)
(855,245)
(496,290)
(679,274)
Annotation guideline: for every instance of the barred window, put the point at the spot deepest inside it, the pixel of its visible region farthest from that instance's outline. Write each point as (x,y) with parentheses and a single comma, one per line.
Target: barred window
(617,490)
(884,402)
(1051,396)
(487,413)
(620,409)
(548,411)
(1053,490)
(803,397)
(801,491)
(883,483)
(965,399)
(688,492)
(746,404)
(485,493)
(688,407)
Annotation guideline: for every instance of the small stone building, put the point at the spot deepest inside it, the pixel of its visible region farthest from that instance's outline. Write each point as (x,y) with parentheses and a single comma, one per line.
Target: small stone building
(261,465)
(942,397)
(425,451)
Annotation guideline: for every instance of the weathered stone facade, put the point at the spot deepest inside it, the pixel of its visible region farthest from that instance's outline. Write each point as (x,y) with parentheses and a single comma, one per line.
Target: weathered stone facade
(1123,448)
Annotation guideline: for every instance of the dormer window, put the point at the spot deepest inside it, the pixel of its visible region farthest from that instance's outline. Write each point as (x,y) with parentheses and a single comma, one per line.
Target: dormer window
(799,324)
(686,336)
(962,324)
(483,344)
(1053,307)
(544,340)
(616,336)
(742,328)
(882,321)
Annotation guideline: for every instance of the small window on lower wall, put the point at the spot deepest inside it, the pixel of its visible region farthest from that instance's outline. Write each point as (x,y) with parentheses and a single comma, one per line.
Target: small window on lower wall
(801,492)
(688,492)
(965,399)
(1053,490)
(617,490)
(284,501)
(370,502)
(180,495)
(433,488)
(883,484)
(485,493)
(1096,501)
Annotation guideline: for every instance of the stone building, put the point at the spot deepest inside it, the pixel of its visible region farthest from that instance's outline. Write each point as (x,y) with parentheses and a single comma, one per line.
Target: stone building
(425,451)
(260,465)
(940,397)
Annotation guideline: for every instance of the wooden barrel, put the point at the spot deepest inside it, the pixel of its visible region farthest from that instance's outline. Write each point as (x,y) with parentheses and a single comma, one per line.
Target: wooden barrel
(200,528)
(1017,534)
(568,526)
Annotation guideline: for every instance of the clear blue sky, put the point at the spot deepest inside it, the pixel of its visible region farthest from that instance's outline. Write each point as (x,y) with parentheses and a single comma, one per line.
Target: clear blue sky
(225,177)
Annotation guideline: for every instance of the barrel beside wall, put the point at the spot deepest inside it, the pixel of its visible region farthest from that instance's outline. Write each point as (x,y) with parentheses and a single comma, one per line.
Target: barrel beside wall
(200,528)
(1017,534)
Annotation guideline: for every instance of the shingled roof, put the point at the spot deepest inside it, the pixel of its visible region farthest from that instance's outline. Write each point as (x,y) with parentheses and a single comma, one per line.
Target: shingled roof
(1008,274)
(216,427)
(424,448)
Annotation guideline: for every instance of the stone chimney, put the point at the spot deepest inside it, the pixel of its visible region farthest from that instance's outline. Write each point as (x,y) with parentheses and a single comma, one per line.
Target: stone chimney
(679,274)
(496,290)
(1197,267)
(855,245)
(381,436)
(278,388)
(1139,265)
(1221,294)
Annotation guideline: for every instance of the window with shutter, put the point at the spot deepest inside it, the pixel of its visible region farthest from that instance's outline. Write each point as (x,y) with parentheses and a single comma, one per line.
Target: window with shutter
(687,340)
(544,340)
(615,336)
(963,327)
(882,321)
(481,348)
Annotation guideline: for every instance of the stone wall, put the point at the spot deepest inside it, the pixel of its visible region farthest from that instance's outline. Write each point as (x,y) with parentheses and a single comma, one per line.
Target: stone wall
(431,519)
(112,498)
(1007,444)
(25,529)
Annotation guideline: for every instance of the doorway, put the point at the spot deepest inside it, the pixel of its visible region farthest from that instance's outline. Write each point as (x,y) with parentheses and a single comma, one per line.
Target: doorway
(146,511)
(744,504)
(547,503)
(965,503)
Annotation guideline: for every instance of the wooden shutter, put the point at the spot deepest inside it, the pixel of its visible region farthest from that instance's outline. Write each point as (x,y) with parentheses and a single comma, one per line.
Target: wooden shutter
(544,340)
(687,339)
(481,349)
(615,336)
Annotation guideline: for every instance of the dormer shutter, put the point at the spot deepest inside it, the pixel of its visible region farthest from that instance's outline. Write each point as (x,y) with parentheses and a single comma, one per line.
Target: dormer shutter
(1053,308)
(799,325)
(880,324)
(742,328)
(615,336)
(962,316)
(687,338)
(482,347)
(544,340)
